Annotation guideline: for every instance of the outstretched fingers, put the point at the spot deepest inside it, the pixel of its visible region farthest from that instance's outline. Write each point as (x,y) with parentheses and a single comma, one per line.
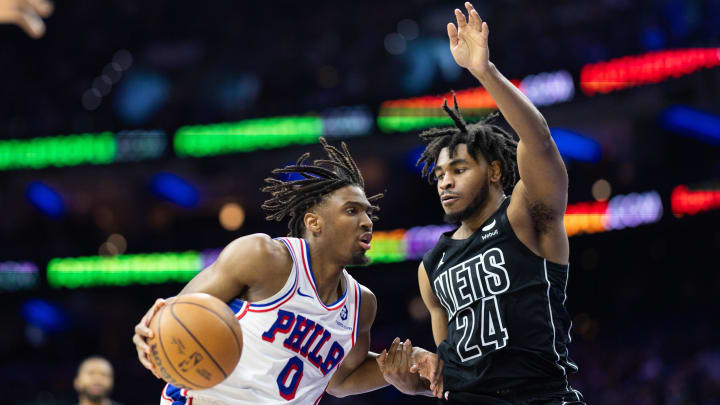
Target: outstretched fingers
(461,20)
(452,34)
(474,18)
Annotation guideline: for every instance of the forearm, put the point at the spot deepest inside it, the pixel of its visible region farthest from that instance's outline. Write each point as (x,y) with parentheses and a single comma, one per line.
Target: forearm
(365,378)
(517,109)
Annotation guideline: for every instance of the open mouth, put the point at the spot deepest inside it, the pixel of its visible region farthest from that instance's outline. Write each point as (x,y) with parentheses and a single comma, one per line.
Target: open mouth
(365,240)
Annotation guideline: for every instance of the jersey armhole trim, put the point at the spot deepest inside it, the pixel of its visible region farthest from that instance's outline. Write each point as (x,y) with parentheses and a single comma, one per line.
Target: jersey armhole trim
(264,307)
(358,302)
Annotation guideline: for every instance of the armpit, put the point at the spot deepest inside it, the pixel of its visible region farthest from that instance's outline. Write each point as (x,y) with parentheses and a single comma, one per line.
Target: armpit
(542,216)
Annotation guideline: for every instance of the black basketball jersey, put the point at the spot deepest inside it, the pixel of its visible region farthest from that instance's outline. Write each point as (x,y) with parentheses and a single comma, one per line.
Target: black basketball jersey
(507,322)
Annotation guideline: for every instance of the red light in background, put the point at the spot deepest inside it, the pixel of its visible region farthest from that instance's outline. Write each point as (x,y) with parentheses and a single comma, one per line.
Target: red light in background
(691,202)
(652,67)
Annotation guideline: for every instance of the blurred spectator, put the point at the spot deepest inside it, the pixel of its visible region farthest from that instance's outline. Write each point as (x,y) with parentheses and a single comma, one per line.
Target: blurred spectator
(94,382)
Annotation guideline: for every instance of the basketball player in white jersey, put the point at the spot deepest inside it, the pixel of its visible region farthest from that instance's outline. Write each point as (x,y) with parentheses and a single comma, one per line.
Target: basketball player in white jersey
(305,321)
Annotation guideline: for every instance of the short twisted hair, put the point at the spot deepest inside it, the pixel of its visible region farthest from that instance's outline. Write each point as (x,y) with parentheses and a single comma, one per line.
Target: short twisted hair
(294,198)
(484,137)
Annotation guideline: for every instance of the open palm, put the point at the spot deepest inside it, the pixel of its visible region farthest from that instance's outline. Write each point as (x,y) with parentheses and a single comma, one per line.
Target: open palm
(469,40)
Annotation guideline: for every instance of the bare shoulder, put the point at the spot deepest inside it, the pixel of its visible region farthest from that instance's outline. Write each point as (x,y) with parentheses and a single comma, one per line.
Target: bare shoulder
(257,251)
(368,307)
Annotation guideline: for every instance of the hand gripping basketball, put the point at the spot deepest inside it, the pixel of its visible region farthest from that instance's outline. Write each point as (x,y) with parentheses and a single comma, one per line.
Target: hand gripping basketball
(143,332)
(192,341)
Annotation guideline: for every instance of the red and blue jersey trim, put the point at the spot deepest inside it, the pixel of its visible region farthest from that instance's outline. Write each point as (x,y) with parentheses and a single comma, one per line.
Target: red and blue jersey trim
(175,395)
(358,302)
(289,294)
(305,251)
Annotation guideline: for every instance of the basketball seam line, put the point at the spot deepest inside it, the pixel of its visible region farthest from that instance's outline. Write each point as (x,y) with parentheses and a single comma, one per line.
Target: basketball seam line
(195,339)
(237,342)
(163,347)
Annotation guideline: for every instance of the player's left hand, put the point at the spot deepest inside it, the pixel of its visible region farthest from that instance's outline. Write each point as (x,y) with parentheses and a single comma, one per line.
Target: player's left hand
(396,364)
(469,41)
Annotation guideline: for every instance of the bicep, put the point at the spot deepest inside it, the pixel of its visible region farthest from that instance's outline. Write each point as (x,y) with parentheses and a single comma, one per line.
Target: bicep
(438,316)
(543,177)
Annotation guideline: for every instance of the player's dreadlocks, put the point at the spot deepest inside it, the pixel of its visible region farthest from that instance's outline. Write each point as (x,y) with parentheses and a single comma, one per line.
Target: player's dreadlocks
(294,198)
(484,137)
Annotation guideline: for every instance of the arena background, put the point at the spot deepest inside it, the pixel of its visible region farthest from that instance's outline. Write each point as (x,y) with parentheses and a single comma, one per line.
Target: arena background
(103,166)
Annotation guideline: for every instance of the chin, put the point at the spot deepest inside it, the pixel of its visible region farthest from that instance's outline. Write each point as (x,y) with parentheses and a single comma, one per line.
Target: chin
(359,259)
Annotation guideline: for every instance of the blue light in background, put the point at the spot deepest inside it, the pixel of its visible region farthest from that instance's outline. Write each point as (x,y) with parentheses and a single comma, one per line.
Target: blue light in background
(693,123)
(411,158)
(574,146)
(43,315)
(140,95)
(45,199)
(175,189)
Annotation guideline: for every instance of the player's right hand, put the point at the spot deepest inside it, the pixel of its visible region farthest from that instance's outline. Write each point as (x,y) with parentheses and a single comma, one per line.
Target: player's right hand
(27,14)
(142,333)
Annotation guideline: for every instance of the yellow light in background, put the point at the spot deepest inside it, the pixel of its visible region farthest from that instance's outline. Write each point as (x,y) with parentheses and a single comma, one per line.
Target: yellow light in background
(232,216)
(601,190)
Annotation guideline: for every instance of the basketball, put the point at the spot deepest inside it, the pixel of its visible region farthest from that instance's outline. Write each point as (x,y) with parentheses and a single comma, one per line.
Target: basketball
(196,341)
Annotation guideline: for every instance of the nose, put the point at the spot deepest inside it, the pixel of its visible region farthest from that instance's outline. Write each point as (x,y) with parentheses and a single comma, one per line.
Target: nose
(447,182)
(366,222)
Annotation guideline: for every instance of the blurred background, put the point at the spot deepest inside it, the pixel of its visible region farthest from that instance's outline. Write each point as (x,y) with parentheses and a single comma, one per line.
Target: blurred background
(135,135)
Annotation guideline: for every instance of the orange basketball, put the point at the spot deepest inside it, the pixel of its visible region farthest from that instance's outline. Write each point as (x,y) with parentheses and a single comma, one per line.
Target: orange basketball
(196,341)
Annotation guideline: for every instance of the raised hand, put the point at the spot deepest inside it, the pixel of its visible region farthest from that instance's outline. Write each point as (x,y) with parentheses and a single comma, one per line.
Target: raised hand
(469,41)
(27,14)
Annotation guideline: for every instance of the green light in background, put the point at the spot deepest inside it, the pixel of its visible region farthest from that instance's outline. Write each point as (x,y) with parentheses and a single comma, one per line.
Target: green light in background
(408,119)
(246,136)
(58,151)
(392,123)
(388,247)
(122,270)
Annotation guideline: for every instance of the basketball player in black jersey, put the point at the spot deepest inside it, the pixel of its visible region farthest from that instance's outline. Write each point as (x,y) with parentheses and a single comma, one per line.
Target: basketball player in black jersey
(496,285)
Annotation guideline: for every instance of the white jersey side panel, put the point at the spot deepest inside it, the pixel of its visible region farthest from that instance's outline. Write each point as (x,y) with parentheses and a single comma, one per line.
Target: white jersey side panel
(292,342)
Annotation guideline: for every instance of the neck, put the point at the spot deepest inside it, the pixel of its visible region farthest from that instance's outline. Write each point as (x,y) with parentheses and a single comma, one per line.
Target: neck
(326,271)
(475,221)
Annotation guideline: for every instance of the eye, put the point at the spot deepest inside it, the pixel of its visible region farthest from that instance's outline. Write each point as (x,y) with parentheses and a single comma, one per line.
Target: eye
(440,177)
(350,211)
(459,171)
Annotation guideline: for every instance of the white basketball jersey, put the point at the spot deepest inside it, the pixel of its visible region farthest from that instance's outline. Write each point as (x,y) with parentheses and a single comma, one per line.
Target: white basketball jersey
(292,342)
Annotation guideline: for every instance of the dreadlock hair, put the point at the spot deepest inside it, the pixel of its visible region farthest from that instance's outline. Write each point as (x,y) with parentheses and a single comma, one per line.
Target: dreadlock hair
(294,198)
(482,137)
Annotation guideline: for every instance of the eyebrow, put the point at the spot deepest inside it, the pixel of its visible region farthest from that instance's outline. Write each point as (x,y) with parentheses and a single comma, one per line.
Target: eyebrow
(360,203)
(452,163)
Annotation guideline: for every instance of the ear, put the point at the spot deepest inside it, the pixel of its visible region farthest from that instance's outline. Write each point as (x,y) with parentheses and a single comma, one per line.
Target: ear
(76,383)
(495,171)
(313,222)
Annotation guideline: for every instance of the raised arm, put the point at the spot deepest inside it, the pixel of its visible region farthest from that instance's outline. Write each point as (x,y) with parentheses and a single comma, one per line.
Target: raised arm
(543,176)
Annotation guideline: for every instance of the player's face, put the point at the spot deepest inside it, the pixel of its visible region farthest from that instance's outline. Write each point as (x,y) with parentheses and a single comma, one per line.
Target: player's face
(462,183)
(347,214)
(94,379)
